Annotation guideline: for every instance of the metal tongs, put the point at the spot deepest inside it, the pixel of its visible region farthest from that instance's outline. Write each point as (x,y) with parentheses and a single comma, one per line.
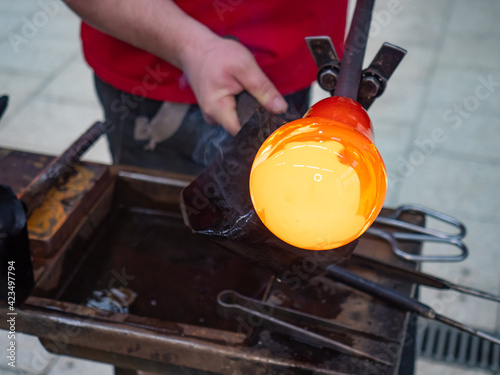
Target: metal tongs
(400,300)
(414,232)
(231,304)
(417,277)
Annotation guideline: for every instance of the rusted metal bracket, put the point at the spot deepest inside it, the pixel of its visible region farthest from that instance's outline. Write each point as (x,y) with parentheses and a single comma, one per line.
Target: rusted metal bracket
(373,79)
(327,61)
(59,168)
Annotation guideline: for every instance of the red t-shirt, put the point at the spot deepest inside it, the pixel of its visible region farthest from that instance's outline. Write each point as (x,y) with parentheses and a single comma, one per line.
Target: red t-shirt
(273,30)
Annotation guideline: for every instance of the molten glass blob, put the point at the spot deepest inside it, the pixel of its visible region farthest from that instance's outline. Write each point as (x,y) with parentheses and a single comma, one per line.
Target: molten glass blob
(319,182)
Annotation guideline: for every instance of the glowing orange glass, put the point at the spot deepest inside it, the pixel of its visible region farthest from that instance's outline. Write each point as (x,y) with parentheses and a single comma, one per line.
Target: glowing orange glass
(319,182)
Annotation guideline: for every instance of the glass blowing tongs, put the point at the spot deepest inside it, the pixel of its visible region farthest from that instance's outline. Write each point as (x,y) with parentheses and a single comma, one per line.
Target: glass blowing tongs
(399,230)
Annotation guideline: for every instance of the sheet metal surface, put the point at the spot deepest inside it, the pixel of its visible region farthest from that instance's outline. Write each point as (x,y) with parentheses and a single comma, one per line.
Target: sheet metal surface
(137,237)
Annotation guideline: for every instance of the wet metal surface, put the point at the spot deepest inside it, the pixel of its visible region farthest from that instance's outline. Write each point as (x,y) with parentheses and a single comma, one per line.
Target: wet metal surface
(18,168)
(175,274)
(134,236)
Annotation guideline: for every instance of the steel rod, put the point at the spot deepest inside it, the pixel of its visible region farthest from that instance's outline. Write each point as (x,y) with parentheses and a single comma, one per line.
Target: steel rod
(400,300)
(59,168)
(354,51)
(418,277)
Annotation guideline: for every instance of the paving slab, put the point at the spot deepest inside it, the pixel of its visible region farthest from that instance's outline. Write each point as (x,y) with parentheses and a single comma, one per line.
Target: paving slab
(48,127)
(481,18)
(470,137)
(471,50)
(68,365)
(31,357)
(75,84)
(466,189)
(456,90)
(19,88)
(37,56)
(428,367)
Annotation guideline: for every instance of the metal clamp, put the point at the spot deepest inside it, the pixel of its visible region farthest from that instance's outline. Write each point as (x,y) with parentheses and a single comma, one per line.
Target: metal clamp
(326,60)
(393,238)
(392,220)
(422,234)
(374,78)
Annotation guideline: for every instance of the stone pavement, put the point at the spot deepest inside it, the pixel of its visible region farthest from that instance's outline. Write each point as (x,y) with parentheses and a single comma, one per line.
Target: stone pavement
(437,127)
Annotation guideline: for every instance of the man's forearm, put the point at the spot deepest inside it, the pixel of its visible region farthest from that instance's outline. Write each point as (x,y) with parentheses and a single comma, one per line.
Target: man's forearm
(157,26)
(217,68)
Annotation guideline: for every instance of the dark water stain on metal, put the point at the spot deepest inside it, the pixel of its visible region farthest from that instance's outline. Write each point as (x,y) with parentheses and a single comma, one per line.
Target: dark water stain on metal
(162,261)
(316,298)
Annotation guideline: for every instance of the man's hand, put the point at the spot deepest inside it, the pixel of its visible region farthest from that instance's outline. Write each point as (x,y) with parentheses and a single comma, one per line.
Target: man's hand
(221,69)
(217,68)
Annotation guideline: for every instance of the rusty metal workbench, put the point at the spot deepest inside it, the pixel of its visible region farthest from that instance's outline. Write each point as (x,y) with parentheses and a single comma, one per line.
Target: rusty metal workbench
(119,226)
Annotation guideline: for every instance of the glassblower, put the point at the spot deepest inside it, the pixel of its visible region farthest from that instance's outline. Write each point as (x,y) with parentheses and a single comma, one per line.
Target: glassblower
(315,183)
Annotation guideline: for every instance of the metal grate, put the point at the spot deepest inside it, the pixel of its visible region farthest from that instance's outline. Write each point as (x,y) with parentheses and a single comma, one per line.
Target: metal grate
(442,343)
